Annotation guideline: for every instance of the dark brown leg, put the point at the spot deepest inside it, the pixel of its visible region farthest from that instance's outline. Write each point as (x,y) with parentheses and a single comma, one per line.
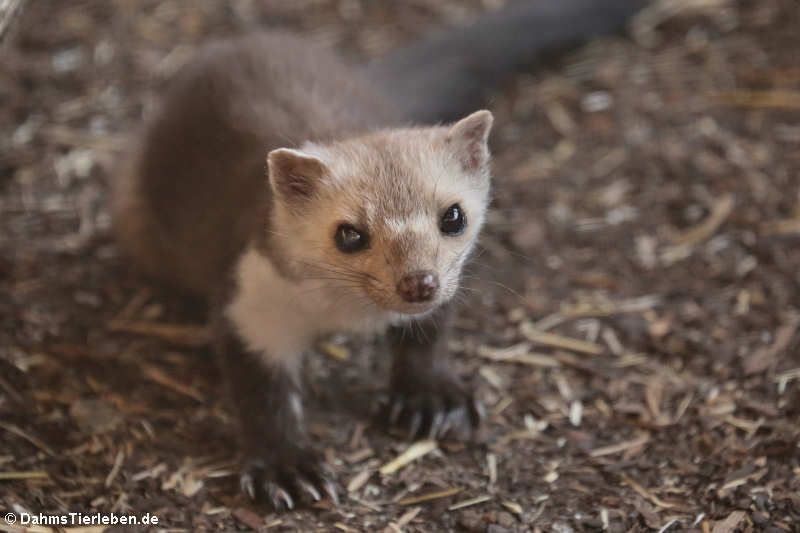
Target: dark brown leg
(280,466)
(427,398)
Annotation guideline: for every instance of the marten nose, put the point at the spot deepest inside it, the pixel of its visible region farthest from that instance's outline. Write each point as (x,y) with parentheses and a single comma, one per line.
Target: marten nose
(418,286)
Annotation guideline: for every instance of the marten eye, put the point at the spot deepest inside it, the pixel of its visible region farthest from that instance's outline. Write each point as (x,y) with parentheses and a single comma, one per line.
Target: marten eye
(349,239)
(453,221)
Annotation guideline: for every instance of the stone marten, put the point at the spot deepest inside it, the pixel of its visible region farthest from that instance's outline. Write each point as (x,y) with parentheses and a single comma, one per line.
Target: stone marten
(292,191)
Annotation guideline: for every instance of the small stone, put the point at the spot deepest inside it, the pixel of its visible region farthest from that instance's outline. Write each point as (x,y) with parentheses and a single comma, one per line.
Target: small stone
(94,415)
(506,519)
(67,60)
(597,101)
(561,527)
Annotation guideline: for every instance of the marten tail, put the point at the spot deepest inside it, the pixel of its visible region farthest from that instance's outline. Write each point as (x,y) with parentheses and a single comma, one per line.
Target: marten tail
(451,72)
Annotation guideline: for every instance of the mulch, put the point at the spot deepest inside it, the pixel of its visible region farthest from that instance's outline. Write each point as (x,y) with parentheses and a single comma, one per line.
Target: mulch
(632,323)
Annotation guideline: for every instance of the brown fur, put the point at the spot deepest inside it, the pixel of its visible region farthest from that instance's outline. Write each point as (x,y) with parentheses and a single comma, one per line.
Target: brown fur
(194,192)
(196,208)
(394,183)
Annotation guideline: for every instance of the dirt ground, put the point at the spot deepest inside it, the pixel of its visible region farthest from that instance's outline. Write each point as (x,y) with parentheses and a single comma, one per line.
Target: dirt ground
(632,323)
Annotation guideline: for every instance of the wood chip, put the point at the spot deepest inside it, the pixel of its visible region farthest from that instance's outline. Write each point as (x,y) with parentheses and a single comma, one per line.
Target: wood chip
(788,375)
(518,353)
(730,523)
(621,446)
(335,351)
(575,413)
(513,507)
(12,393)
(522,434)
(537,359)
(372,506)
(248,518)
(359,480)
(358,434)
(683,243)
(739,478)
(11,428)
(771,99)
(559,341)
(470,502)
(789,226)
(612,341)
(191,335)
(115,468)
(549,322)
(134,305)
(646,494)
(412,453)
(765,357)
(491,467)
(150,473)
(492,377)
(430,496)
(156,374)
(631,305)
(502,354)
(408,516)
(359,455)
(502,405)
(9,13)
(35,474)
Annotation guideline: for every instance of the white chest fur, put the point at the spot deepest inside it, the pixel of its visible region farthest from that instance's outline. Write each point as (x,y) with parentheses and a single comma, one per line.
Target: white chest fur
(280,318)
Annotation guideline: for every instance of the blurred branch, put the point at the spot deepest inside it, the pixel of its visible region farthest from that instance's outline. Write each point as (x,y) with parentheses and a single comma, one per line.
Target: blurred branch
(9,11)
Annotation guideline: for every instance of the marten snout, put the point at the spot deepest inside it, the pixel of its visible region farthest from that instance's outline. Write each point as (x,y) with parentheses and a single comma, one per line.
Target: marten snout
(418,286)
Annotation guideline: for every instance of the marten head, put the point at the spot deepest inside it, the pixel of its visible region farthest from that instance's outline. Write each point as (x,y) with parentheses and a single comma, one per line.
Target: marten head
(386,219)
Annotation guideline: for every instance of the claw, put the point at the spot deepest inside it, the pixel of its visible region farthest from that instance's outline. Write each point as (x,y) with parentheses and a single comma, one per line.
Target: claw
(394,414)
(330,490)
(447,425)
(435,408)
(478,412)
(287,479)
(247,485)
(436,424)
(455,421)
(277,495)
(309,488)
(414,425)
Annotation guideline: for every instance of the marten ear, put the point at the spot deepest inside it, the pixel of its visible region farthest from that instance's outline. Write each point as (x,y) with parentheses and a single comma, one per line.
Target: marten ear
(469,137)
(294,175)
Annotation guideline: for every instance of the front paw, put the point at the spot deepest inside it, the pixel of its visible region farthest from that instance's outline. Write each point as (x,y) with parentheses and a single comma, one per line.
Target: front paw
(286,477)
(434,406)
